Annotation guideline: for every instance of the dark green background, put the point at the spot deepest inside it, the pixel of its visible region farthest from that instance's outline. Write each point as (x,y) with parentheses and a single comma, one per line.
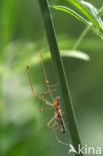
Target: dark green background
(23,129)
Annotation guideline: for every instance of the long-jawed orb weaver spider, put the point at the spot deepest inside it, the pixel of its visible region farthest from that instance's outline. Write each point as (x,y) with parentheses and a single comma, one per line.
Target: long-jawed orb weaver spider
(57,120)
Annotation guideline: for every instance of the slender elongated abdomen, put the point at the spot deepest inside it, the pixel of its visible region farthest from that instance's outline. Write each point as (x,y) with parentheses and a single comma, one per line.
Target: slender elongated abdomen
(61,124)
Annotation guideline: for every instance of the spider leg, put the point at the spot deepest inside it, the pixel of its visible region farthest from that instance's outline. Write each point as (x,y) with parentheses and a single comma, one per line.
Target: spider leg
(39,97)
(46,79)
(57,138)
(42,97)
(54,129)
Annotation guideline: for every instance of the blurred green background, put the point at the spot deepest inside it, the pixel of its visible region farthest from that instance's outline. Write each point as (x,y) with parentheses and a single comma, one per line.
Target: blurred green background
(23,129)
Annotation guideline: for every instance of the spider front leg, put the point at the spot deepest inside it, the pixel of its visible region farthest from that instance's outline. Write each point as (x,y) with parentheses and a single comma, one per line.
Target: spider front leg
(28,71)
(39,97)
(45,75)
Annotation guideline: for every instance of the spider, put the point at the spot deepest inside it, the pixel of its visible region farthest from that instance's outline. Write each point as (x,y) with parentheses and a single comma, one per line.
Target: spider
(57,120)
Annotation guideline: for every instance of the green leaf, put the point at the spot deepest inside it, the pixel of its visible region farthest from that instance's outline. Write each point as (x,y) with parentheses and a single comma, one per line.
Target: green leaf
(75,54)
(89,14)
(76,15)
(100,12)
(8,22)
(89,11)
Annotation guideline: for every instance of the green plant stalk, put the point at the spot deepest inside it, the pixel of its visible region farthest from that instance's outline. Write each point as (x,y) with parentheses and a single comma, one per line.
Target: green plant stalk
(81,38)
(61,74)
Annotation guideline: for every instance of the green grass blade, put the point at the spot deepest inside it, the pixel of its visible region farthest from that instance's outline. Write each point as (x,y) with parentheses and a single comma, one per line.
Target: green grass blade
(89,11)
(81,38)
(76,15)
(60,71)
(100,12)
(7,25)
(79,17)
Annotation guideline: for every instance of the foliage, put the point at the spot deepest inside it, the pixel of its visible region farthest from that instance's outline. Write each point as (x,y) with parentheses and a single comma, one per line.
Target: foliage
(88,14)
(23,128)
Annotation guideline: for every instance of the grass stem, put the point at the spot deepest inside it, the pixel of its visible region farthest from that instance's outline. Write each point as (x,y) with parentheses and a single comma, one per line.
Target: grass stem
(69,110)
(81,38)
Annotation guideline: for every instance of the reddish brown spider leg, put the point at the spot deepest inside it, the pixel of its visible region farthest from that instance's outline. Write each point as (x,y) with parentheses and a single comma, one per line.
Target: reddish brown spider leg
(46,80)
(46,102)
(42,96)
(31,82)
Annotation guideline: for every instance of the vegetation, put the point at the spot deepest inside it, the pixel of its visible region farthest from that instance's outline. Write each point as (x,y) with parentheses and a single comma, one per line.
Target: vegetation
(23,128)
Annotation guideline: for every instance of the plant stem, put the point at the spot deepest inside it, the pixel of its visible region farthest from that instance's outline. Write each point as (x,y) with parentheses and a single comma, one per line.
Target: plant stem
(100,12)
(61,74)
(81,38)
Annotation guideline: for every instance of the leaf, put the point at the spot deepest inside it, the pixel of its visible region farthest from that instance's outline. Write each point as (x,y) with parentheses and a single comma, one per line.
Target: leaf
(75,54)
(8,21)
(89,11)
(100,12)
(76,15)
(89,14)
